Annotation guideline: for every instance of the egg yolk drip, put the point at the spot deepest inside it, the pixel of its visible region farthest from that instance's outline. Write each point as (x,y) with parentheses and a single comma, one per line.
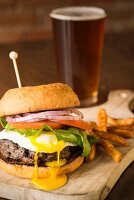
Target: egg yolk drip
(53,181)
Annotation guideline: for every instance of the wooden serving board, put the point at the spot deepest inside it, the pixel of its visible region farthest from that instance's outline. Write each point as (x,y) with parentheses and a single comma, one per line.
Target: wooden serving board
(92,180)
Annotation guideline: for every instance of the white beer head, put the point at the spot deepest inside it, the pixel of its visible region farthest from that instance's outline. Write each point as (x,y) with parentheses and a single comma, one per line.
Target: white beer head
(78,13)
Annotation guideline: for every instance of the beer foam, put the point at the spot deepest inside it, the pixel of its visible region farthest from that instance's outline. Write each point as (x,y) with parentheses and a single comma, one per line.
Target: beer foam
(78,13)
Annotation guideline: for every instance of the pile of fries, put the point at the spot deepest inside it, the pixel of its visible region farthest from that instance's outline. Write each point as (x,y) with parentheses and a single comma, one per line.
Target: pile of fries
(110,132)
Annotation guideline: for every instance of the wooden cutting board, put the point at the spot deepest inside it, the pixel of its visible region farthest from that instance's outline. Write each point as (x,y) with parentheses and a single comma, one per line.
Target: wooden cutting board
(92,180)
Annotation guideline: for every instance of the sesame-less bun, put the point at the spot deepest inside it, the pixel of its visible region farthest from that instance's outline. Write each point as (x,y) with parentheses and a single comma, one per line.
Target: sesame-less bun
(37,98)
(25,171)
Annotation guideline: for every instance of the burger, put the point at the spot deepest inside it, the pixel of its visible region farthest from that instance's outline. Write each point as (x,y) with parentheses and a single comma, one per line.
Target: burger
(44,136)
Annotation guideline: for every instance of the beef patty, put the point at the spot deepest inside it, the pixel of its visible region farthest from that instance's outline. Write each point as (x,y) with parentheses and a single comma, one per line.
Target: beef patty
(15,154)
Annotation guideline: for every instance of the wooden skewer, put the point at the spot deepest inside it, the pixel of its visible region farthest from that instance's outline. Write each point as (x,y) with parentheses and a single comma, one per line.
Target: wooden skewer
(13,56)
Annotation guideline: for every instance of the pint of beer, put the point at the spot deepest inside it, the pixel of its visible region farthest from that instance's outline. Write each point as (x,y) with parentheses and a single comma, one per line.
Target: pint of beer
(78,36)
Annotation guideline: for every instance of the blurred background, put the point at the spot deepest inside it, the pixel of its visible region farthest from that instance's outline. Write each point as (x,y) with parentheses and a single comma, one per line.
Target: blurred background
(25,26)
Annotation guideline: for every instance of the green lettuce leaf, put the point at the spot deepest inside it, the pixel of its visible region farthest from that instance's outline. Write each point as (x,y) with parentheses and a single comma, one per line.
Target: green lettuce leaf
(92,139)
(68,136)
(3,122)
(28,131)
(84,139)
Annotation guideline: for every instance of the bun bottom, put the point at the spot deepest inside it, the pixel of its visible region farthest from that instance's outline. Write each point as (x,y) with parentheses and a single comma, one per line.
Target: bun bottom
(24,171)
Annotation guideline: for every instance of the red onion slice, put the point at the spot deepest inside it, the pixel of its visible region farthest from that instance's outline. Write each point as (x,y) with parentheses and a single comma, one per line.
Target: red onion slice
(77,112)
(57,112)
(48,115)
(67,117)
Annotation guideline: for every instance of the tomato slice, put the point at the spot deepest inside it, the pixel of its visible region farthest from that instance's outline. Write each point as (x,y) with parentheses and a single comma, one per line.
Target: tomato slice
(53,124)
(77,123)
(36,125)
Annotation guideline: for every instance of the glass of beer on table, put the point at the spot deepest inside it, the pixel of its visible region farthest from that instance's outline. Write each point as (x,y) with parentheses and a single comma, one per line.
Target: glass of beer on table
(78,37)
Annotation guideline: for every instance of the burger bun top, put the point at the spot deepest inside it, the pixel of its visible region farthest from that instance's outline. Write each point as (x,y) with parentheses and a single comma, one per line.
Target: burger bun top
(38,98)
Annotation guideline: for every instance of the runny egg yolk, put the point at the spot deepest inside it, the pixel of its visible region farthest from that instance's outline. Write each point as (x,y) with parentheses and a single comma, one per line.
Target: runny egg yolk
(53,180)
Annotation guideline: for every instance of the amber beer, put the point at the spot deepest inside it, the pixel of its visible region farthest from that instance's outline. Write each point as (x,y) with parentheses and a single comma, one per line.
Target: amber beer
(78,36)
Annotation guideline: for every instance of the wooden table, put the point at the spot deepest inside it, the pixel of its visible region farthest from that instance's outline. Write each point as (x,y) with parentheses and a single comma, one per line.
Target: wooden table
(37,66)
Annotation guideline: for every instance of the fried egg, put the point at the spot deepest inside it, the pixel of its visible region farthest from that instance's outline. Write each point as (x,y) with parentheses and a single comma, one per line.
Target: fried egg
(33,143)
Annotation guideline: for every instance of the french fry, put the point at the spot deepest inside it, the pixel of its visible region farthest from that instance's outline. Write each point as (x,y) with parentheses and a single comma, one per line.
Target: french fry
(130,128)
(121,132)
(111,137)
(102,120)
(110,130)
(111,150)
(94,125)
(120,122)
(92,152)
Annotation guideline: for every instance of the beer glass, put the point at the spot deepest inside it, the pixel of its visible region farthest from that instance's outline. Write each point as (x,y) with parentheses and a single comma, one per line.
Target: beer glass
(78,38)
